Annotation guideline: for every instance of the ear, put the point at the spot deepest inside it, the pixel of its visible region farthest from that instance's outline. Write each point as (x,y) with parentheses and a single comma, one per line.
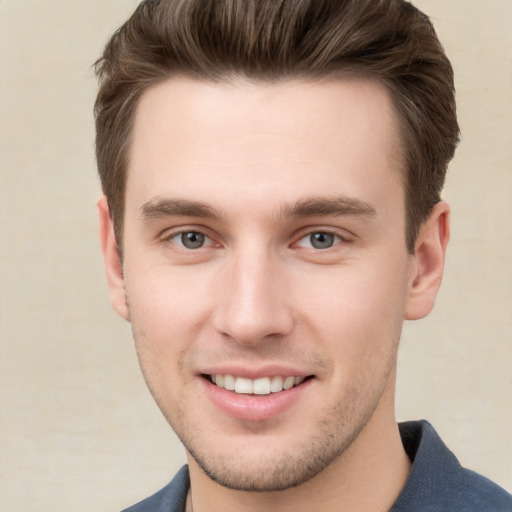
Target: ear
(112,260)
(428,264)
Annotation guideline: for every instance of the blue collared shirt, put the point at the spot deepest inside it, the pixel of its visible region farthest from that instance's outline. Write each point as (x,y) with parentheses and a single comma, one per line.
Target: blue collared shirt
(436,483)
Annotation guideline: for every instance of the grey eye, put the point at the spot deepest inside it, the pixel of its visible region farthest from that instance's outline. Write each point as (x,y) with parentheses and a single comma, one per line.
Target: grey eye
(192,239)
(322,240)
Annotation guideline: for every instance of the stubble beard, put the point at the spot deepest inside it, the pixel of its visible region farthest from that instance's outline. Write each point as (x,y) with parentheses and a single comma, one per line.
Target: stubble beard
(273,470)
(334,434)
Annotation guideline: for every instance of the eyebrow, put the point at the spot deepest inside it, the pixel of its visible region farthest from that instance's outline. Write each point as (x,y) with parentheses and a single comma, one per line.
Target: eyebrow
(327,206)
(158,208)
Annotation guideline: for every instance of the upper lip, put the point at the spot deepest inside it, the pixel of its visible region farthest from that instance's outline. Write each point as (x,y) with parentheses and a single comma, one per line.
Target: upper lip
(269,370)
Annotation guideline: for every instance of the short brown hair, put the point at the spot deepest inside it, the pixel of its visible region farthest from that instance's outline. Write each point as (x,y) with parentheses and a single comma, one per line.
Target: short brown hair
(268,40)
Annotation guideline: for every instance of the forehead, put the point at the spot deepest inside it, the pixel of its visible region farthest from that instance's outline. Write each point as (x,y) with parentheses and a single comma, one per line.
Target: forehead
(191,138)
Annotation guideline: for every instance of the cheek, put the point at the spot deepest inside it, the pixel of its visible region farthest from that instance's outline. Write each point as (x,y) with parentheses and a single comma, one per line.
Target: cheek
(166,321)
(162,294)
(168,309)
(358,311)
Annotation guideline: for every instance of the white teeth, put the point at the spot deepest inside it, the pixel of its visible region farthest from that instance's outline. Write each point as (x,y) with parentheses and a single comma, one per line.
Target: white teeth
(261,386)
(229,382)
(288,382)
(276,385)
(243,385)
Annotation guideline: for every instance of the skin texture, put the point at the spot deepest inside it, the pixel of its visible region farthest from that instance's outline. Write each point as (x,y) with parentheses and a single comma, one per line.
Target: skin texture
(257,169)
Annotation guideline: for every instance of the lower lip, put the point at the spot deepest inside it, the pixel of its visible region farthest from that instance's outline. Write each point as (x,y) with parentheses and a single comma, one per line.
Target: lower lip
(254,407)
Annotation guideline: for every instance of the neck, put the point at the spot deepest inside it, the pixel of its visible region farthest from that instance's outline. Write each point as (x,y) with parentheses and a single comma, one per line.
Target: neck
(368,477)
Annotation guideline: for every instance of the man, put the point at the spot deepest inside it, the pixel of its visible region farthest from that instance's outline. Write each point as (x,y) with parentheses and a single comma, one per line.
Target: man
(272,174)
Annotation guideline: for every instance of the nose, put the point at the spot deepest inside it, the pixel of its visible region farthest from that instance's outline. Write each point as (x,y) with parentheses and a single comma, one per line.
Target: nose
(253,301)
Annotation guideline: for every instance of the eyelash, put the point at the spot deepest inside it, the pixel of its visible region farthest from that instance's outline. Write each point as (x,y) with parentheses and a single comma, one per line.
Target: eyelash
(169,237)
(209,241)
(336,239)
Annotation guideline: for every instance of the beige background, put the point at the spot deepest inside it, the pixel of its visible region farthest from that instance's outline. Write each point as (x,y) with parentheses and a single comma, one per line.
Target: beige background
(78,429)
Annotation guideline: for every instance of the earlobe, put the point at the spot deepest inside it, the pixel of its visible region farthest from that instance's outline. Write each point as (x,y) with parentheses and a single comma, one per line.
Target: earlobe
(429,254)
(112,260)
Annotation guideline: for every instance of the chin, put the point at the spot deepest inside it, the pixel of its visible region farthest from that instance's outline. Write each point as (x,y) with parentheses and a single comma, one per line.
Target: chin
(272,475)
(266,468)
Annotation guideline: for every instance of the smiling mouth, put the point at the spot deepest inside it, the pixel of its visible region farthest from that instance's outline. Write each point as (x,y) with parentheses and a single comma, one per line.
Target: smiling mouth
(261,386)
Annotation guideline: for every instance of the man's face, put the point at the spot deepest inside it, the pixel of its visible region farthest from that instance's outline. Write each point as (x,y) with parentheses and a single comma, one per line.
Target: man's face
(264,246)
